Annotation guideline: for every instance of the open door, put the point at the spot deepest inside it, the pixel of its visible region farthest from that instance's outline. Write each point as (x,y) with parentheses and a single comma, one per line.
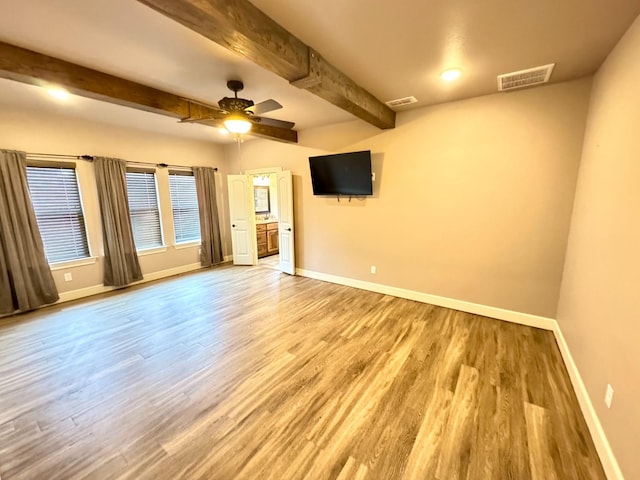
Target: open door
(285,223)
(242,221)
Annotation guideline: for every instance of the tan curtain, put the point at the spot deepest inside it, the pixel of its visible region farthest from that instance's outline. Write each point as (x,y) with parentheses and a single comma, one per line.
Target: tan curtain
(121,266)
(25,277)
(209,222)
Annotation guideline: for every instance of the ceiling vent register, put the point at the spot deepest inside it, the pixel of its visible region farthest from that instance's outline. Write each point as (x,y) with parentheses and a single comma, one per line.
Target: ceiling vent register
(525,78)
(401,102)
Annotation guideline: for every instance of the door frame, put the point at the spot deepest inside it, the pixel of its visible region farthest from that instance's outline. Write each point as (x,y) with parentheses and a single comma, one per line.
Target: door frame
(249,173)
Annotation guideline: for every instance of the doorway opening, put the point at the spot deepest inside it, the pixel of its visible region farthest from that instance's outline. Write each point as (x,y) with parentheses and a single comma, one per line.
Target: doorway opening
(265,209)
(261,217)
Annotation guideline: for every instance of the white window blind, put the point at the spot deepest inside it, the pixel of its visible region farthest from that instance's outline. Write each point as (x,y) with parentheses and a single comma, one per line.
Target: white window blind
(56,201)
(143,208)
(184,204)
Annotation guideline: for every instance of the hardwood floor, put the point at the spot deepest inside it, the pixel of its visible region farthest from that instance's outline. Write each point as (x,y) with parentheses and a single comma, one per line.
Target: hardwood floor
(246,373)
(272,261)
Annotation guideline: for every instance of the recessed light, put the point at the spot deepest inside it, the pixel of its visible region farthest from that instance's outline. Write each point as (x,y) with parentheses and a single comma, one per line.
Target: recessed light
(451,75)
(59,93)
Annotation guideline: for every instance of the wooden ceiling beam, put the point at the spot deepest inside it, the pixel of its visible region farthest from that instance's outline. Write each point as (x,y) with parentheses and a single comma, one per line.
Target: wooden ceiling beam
(34,68)
(241,27)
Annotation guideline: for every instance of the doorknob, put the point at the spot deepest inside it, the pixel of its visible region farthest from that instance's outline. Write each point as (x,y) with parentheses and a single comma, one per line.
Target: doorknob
(233,225)
(289,229)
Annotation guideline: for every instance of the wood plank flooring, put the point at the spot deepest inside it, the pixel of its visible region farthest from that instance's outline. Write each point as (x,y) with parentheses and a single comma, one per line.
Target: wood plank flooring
(246,373)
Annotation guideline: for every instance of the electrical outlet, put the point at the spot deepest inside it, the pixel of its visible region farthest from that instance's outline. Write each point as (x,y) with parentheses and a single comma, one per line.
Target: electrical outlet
(373,176)
(68,277)
(373,269)
(608,397)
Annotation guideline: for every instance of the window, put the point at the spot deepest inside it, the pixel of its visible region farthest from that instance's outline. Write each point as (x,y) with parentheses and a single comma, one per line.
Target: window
(184,204)
(143,208)
(56,201)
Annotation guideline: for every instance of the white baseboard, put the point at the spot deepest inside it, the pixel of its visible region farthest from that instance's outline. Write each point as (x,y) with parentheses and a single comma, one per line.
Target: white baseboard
(475,308)
(83,292)
(149,277)
(608,459)
(170,272)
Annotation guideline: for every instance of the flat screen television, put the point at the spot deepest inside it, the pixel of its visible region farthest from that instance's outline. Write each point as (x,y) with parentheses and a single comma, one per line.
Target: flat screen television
(342,174)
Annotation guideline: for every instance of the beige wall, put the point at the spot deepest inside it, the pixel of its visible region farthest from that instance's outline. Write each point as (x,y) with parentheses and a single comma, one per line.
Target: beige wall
(472,199)
(47,132)
(599,308)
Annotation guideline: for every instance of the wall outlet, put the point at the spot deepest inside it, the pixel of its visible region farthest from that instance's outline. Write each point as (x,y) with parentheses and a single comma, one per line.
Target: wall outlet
(68,277)
(608,397)
(373,176)
(373,269)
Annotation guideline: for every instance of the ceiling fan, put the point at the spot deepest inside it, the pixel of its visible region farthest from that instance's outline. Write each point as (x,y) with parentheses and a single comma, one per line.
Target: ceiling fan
(238,114)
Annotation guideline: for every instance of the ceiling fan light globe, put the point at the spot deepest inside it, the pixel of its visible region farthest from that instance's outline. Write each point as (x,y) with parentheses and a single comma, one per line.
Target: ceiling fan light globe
(237,124)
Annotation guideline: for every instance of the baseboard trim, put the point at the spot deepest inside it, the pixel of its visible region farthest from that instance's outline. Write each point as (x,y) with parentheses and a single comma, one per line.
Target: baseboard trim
(608,459)
(171,272)
(475,308)
(83,292)
(149,277)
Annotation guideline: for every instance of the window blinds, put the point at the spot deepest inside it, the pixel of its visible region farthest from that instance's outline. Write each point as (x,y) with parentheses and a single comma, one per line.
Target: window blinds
(184,204)
(56,201)
(144,211)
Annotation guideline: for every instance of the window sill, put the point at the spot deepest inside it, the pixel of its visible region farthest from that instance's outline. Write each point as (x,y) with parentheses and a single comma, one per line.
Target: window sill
(73,263)
(151,251)
(180,246)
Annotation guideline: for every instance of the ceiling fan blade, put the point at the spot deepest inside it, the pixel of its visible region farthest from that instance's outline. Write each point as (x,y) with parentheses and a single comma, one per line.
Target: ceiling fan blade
(272,122)
(264,107)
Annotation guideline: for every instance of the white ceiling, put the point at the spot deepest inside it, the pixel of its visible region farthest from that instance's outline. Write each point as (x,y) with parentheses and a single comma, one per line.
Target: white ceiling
(128,39)
(397,49)
(37,99)
(393,49)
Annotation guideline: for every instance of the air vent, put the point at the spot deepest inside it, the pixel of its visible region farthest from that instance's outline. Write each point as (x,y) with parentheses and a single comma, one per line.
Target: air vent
(401,102)
(525,78)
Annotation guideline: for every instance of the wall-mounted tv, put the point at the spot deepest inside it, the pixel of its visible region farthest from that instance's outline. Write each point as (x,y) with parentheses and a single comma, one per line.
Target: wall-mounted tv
(342,174)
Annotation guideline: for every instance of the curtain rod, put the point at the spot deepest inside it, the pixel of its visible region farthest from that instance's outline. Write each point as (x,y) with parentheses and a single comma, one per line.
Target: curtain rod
(67,157)
(90,158)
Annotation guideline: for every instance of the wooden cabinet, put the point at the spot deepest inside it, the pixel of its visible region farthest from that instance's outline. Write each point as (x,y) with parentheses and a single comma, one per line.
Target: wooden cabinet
(267,237)
(272,238)
(261,235)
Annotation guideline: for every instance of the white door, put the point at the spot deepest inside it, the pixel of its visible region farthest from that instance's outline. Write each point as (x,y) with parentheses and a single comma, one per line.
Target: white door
(285,223)
(242,225)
